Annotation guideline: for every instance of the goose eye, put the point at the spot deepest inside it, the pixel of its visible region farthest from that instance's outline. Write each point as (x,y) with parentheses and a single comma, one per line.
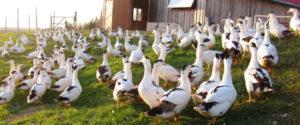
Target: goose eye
(119,83)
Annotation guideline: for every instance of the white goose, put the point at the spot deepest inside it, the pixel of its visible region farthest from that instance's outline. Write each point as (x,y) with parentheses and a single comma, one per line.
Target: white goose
(244,38)
(212,82)
(28,83)
(277,29)
(180,33)
(103,72)
(233,45)
(25,40)
(267,52)
(5,51)
(124,88)
(102,44)
(17,48)
(8,94)
(149,89)
(119,45)
(295,20)
(227,32)
(174,100)
(63,83)
(187,41)
(206,25)
(220,98)
(93,34)
(82,54)
(196,74)
(257,38)
(61,71)
(257,80)
(218,30)
(120,74)
(167,38)
(208,41)
(156,42)
(137,55)
(128,47)
(113,51)
(165,71)
(38,90)
(72,92)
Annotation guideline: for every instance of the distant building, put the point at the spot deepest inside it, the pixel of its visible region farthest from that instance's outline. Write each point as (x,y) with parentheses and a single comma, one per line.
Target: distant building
(137,14)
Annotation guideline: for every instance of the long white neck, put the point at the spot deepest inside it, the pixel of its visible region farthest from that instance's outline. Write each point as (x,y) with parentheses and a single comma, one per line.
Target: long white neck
(267,36)
(227,78)
(12,66)
(140,46)
(295,15)
(109,46)
(163,53)
(257,29)
(11,86)
(211,34)
(168,29)
(128,73)
(147,70)
(253,61)
(35,75)
(104,61)
(215,75)
(69,70)
(75,80)
(154,74)
(185,82)
(233,35)
(199,55)
(62,60)
(192,32)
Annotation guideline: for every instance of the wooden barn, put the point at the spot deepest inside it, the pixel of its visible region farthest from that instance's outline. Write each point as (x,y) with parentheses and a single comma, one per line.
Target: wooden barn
(128,14)
(146,14)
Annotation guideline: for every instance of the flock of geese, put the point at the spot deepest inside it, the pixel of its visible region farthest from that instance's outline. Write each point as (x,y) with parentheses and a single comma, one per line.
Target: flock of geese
(212,97)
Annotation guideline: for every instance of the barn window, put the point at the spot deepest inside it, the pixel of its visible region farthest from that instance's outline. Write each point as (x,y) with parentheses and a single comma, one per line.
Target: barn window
(181,3)
(137,14)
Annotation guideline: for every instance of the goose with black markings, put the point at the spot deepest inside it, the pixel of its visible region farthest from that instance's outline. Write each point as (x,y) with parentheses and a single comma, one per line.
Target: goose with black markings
(174,100)
(149,89)
(267,53)
(165,71)
(72,92)
(63,83)
(257,79)
(212,82)
(39,89)
(219,99)
(103,72)
(124,88)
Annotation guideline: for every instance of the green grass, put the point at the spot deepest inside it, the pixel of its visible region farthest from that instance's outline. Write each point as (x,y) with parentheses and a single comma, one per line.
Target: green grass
(96,106)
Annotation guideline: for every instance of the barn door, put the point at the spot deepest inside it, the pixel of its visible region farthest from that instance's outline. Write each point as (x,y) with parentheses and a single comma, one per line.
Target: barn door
(139,14)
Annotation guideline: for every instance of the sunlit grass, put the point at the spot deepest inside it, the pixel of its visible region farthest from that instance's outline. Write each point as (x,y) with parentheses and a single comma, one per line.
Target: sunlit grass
(96,106)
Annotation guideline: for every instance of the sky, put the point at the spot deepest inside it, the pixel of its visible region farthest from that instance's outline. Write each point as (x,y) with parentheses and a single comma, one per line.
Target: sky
(86,9)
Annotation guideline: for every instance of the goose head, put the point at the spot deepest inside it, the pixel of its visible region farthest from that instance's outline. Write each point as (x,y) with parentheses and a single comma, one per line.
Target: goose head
(292,10)
(78,64)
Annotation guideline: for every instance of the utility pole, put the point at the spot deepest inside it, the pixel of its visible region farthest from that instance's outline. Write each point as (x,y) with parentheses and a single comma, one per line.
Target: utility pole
(18,23)
(50,22)
(36,19)
(28,22)
(5,23)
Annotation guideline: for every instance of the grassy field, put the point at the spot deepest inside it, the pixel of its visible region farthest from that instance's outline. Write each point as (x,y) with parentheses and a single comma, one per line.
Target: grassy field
(96,106)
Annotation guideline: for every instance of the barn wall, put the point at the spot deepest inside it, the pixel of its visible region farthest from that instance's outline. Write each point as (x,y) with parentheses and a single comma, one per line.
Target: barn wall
(185,17)
(140,25)
(220,9)
(121,14)
(215,10)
